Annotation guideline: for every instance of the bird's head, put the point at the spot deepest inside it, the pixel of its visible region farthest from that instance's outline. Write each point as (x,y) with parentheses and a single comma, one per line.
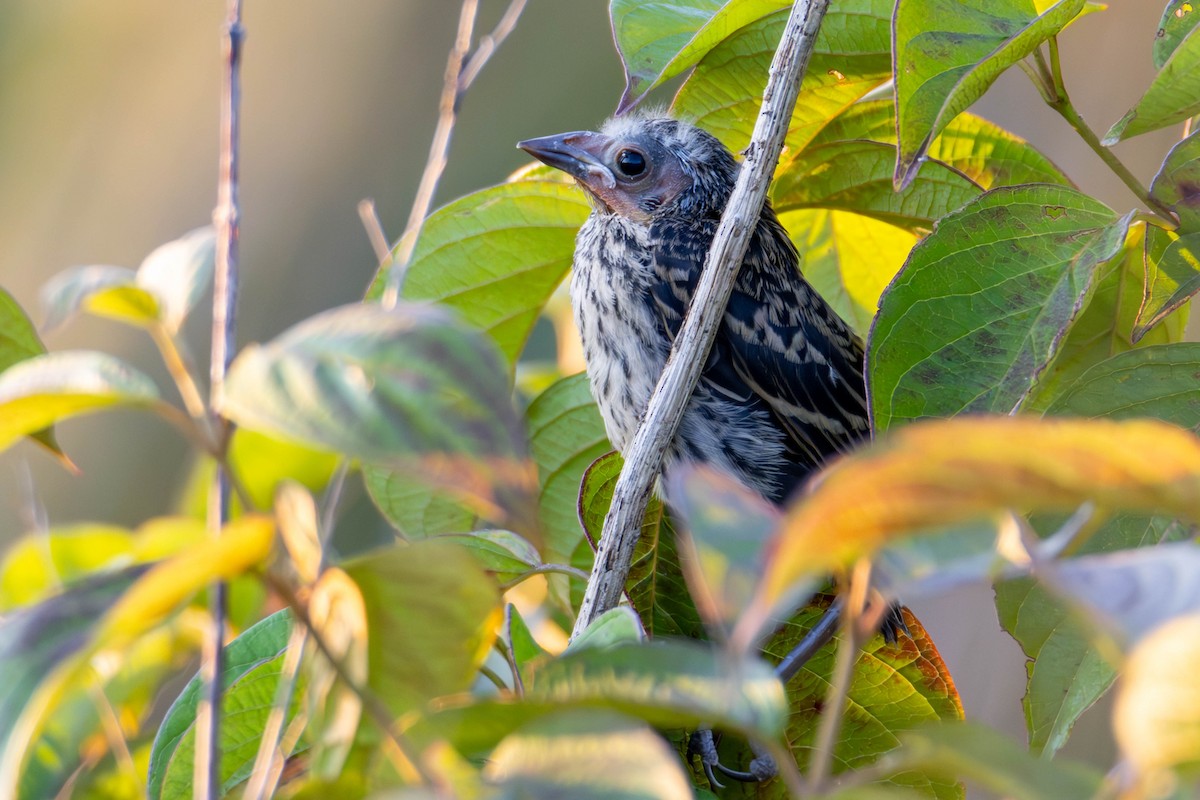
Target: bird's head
(644,167)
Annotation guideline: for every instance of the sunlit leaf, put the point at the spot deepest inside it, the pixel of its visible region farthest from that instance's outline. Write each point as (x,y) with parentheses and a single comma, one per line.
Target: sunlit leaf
(981,307)
(938,473)
(984,152)
(339,617)
(43,563)
(657,41)
(566,435)
(949,52)
(42,390)
(250,676)
(141,607)
(894,689)
(849,259)
(410,389)
(542,760)
(299,528)
(1173,96)
(851,57)
(497,255)
(1172,265)
(178,273)
(1156,718)
(1107,325)
(440,613)
(655,587)
(856,175)
(1178,19)
(164,289)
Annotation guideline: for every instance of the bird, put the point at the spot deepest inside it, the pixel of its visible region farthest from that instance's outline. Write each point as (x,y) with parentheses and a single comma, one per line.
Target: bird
(782,390)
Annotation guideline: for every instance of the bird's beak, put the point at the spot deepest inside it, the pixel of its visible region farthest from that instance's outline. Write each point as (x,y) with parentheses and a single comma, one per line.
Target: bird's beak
(577,153)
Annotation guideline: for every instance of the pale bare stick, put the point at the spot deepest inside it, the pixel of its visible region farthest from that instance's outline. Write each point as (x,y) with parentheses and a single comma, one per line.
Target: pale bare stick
(643,458)
(460,73)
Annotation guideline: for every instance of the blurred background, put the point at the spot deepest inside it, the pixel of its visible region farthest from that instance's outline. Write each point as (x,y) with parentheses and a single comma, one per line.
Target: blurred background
(108,148)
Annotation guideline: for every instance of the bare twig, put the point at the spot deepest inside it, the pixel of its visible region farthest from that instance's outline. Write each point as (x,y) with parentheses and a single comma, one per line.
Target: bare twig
(643,459)
(206,780)
(460,73)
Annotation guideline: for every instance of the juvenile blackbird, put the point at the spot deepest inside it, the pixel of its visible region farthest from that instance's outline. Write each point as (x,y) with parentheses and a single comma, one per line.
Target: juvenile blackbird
(782,389)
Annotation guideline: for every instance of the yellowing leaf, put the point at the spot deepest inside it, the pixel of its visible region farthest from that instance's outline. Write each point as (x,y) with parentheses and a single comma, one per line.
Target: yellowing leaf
(947,471)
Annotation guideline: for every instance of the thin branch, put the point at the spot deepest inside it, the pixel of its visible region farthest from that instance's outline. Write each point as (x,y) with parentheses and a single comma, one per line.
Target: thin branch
(206,775)
(436,165)
(460,74)
(546,569)
(1060,101)
(643,459)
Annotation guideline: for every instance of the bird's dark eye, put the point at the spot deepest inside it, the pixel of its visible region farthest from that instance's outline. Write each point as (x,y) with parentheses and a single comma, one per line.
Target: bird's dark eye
(631,163)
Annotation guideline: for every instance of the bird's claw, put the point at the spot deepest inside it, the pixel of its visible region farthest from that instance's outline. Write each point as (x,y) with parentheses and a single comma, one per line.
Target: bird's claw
(703,744)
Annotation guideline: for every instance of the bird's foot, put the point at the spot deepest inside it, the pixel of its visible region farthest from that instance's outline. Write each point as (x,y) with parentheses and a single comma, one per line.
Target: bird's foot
(702,743)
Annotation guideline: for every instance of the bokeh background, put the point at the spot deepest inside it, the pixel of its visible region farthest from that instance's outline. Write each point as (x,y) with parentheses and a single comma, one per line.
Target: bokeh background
(108,148)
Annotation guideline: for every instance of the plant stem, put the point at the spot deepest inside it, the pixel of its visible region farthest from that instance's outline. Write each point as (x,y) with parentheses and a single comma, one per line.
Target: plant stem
(1060,101)
(643,458)
(460,73)
(179,367)
(843,670)
(206,774)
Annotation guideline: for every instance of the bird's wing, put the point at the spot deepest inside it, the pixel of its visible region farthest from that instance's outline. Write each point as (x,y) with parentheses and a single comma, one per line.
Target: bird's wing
(780,342)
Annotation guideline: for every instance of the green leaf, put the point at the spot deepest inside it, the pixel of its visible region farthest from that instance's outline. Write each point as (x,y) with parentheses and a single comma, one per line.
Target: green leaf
(1173,96)
(410,389)
(657,41)
(849,259)
(856,175)
(1065,674)
(1107,326)
(984,152)
(566,435)
(725,529)
(504,554)
(496,256)
(542,760)
(894,689)
(432,614)
(1157,381)
(1177,184)
(39,565)
(983,303)
(671,683)
(655,587)
(986,758)
(42,390)
(250,676)
(1172,270)
(615,626)
(415,508)
(947,54)
(851,57)
(1177,21)
(19,341)
(66,292)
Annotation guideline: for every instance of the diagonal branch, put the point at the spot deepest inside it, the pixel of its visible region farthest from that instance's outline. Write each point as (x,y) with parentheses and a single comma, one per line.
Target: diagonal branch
(643,460)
